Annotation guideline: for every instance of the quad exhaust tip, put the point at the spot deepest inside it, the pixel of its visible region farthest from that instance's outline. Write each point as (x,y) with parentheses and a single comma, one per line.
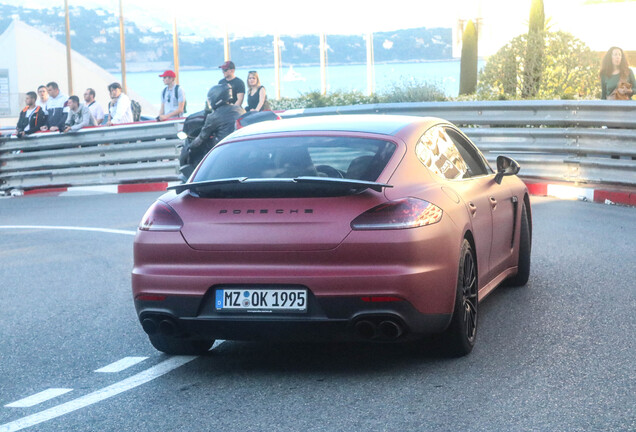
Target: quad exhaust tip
(165,326)
(390,330)
(150,326)
(387,329)
(365,329)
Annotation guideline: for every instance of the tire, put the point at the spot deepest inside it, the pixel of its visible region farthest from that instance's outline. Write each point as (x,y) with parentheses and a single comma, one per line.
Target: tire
(525,248)
(462,331)
(177,346)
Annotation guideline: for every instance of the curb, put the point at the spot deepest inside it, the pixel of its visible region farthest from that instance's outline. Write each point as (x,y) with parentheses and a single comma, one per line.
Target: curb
(598,194)
(102,189)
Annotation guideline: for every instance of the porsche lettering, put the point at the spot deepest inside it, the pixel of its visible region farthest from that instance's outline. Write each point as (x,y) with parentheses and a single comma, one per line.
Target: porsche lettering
(267,211)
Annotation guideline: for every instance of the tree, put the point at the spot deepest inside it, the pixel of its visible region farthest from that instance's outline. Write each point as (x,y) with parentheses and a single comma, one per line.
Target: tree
(569,69)
(534,56)
(537,17)
(468,68)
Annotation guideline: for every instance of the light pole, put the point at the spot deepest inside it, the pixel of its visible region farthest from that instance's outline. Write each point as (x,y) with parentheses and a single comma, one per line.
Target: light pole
(69,63)
(122,47)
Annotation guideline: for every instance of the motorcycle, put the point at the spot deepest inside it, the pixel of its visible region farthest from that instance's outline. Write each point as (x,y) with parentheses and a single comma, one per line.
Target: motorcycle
(189,159)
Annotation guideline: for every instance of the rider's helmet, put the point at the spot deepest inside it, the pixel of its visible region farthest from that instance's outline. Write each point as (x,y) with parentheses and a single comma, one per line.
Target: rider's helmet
(219,95)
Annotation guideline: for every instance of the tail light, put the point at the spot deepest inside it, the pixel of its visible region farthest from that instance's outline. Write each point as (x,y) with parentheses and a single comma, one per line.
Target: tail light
(160,217)
(400,214)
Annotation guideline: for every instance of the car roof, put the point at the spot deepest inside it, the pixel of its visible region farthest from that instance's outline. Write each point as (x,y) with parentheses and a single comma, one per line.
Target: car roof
(365,123)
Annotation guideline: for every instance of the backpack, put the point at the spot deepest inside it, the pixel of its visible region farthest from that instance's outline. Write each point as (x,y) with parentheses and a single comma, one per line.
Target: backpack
(176,97)
(135,107)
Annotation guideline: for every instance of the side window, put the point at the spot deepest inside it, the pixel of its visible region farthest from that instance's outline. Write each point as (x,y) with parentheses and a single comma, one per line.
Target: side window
(477,166)
(439,154)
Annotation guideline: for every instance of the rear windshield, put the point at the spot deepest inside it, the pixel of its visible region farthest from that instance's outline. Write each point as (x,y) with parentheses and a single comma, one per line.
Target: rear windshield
(292,157)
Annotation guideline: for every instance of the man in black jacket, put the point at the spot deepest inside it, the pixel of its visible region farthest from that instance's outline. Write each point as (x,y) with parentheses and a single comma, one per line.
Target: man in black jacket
(218,124)
(32,117)
(221,121)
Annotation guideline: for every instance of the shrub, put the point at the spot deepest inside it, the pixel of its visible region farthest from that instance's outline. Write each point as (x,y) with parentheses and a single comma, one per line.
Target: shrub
(569,69)
(406,91)
(412,90)
(316,100)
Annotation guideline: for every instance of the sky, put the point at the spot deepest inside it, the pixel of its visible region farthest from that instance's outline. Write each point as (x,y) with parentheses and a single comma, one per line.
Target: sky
(507,18)
(289,16)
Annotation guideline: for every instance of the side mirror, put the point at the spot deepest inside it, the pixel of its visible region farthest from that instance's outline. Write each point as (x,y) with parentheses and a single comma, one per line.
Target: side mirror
(506,167)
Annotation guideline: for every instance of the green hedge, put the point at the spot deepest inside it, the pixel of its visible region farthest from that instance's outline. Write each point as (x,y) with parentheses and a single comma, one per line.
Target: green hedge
(412,91)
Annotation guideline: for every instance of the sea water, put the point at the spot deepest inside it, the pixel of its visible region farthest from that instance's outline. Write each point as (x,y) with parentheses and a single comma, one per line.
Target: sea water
(295,80)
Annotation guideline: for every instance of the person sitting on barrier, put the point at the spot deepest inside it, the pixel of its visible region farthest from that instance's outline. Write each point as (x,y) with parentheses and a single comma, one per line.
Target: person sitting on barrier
(95,108)
(44,96)
(56,108)
(256,95)
(32,117)
(79,116)
(119,109)
(238,86)
(172,98)
(617,79)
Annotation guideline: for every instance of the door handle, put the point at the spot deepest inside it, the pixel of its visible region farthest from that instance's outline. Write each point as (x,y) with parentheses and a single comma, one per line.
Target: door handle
(473,208)
(493,202)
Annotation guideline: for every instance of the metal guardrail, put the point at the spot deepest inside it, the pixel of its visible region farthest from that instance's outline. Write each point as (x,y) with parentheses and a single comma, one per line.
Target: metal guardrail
(131,153)
(620,114)
(574,141)
(564,154)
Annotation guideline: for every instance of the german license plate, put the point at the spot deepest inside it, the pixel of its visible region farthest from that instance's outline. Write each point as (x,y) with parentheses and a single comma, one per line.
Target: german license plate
(261,300)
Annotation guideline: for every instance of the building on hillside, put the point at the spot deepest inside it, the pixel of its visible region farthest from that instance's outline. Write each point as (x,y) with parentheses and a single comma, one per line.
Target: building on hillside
(31,58)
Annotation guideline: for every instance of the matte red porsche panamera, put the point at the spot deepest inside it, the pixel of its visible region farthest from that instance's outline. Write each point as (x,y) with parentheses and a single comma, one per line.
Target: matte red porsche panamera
(379,228)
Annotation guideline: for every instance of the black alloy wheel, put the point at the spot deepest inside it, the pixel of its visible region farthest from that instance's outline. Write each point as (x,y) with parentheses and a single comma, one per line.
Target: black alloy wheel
(469,297)
(462,331)
(525,250)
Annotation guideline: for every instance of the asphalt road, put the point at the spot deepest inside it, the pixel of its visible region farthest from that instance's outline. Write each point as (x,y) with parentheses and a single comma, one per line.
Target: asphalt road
(556,355)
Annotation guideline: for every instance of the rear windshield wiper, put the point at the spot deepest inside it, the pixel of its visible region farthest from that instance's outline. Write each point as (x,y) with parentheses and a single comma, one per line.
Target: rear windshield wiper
(353,183)
(327,181)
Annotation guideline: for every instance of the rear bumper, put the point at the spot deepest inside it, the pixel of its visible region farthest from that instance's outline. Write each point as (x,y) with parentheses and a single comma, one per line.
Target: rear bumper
(329,318)
(417,265)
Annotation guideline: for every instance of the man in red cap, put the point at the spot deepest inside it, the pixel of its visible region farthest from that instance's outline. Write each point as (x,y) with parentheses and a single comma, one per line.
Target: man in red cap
(238,86)
(172,98)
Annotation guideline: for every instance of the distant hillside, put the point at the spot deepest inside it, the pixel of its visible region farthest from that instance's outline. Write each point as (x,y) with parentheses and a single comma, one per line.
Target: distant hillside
(95,34)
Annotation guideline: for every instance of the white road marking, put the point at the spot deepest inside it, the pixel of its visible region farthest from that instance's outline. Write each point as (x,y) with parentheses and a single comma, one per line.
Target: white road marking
(38,398)
(71,228)
(121,365)
(99,395)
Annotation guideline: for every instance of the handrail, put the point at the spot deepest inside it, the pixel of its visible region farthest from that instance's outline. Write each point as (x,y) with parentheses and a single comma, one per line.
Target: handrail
(135,152)
(574,141)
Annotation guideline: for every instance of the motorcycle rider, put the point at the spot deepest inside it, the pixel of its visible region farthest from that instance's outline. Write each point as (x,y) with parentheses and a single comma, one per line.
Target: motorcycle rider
(219,123)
